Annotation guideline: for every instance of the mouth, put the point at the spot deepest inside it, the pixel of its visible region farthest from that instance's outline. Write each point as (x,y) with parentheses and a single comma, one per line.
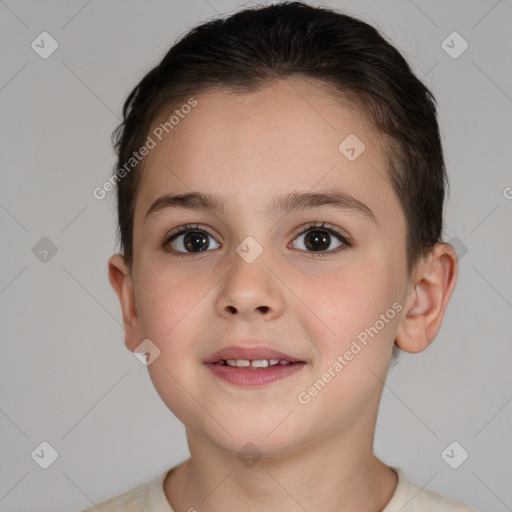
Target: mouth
(253,366)
(255,356)
(255,363)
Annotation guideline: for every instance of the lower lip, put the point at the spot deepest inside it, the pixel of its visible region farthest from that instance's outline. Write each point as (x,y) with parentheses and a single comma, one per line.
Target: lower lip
(247,377)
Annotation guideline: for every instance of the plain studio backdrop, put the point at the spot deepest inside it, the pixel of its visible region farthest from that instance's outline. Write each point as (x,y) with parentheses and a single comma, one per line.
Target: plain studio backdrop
(68,381)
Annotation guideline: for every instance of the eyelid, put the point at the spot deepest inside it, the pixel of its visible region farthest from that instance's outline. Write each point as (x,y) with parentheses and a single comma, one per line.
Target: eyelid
(184,228)
(328,227)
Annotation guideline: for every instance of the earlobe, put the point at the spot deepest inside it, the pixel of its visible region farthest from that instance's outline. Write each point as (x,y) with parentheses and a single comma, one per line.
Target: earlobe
(426,303)
(120,278)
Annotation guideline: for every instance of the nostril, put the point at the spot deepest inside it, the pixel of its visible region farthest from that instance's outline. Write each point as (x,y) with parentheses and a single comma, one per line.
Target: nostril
(263,309)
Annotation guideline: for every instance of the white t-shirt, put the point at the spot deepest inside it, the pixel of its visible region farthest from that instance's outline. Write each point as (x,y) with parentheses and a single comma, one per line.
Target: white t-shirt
(408,497)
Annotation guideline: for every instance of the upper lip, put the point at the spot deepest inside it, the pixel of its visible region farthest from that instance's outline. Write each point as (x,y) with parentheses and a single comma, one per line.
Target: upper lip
(250,353)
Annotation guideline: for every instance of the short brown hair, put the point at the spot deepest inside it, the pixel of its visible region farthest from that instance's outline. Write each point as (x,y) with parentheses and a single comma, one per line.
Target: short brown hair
(256,46)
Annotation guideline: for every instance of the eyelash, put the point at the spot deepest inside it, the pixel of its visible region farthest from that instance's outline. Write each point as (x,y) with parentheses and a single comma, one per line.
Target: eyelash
(197,227)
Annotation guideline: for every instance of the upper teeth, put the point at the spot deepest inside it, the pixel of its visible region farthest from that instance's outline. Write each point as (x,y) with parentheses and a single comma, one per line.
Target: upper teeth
(256,363)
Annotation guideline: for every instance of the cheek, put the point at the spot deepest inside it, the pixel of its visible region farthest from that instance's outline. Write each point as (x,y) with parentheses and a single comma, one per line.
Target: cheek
(351,311)
(344,300)
(172,314)
(167,302)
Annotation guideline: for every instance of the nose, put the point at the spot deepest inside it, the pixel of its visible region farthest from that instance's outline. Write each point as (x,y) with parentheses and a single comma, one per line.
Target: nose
(250,290)
(262,309)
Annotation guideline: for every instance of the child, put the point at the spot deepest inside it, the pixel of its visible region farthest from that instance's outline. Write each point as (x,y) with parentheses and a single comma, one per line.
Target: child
(280,184)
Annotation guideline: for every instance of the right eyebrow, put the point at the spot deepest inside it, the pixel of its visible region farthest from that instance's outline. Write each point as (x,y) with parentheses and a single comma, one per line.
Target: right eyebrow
(190,201)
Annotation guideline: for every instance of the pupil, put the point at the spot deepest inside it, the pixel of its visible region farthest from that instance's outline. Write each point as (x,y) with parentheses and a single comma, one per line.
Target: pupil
(194,240)
(317,237)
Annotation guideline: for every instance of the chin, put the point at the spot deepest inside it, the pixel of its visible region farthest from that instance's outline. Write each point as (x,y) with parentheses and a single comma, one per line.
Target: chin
(252,442)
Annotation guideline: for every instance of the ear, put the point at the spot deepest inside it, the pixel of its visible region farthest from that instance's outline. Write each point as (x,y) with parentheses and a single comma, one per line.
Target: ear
(120,276)
(433,284)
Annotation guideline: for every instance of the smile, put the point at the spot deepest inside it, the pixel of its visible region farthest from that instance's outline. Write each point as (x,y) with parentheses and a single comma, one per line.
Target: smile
(256,363)
(257,372)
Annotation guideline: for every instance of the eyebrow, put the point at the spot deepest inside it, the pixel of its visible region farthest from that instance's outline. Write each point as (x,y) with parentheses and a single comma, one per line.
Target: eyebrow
(291,201)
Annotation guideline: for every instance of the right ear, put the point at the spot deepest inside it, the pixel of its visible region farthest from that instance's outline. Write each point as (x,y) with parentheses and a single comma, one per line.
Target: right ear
(120,276)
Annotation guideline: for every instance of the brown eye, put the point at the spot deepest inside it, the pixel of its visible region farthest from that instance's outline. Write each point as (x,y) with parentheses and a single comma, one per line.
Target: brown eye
(189,240)
(195,241)
(319,239)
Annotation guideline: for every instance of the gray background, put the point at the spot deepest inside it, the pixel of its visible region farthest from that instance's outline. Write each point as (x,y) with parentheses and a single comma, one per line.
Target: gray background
(65,374)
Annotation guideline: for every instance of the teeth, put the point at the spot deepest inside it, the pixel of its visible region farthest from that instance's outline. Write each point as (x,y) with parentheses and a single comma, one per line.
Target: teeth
(257,363)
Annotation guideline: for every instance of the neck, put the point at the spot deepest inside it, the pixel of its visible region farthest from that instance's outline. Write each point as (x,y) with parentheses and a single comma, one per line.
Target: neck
(331,474)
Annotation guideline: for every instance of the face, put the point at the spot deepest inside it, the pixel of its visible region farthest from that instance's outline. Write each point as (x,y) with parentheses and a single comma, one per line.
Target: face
(249,275)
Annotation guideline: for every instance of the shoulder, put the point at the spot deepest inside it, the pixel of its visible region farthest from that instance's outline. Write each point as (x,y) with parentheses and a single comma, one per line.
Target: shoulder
(146,497)
(409,497)
(129,501)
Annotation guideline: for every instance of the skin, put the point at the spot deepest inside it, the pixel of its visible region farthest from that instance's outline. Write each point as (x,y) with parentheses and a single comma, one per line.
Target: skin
(250,148)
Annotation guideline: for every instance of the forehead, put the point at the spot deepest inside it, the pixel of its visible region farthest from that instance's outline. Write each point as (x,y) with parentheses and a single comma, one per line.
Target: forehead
(252,147)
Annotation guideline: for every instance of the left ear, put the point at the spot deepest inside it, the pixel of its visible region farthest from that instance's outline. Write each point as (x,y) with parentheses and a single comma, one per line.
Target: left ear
(433,284)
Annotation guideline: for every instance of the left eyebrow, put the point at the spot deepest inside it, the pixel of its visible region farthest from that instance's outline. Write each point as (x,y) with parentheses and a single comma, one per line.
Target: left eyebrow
(285,203)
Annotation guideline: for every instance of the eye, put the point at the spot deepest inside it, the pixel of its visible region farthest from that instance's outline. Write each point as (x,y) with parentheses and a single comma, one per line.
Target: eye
(188,239)
(317,238)
(191,239)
